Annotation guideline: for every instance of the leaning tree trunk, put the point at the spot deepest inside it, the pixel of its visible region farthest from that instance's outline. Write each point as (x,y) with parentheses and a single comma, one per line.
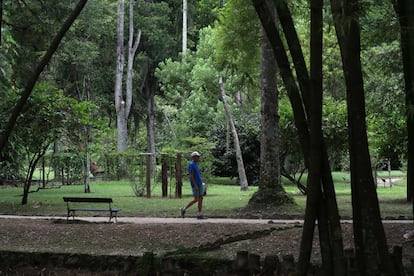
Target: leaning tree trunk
(33,78)
(32,167)
(301,123)
(239,158)
(371,247)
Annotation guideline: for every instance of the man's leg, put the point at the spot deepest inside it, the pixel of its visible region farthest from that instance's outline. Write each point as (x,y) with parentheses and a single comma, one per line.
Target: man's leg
(200,204)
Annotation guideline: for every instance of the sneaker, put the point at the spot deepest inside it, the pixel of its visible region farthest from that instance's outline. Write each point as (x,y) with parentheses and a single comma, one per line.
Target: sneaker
(182,212)
(201,217)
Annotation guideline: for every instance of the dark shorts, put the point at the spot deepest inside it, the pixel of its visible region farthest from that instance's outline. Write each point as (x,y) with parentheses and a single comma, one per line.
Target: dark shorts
(199,192)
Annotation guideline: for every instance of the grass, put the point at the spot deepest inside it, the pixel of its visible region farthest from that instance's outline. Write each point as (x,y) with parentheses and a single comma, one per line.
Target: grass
(223,199)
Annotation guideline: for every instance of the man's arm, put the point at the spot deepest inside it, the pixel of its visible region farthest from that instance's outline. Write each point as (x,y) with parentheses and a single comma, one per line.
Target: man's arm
(193,181)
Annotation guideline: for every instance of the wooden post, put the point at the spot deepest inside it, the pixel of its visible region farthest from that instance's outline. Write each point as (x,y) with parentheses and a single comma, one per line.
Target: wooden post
(242,262)
(178,177)
(164,177)
(148,179)
(271,264)
(254,264)
(43,173)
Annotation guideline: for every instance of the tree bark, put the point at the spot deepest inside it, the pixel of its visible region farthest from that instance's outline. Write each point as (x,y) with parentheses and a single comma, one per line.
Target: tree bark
(269,142)
(33,78)
(405,12)
(369,236)
(270,192)
(239,158)
(119,99)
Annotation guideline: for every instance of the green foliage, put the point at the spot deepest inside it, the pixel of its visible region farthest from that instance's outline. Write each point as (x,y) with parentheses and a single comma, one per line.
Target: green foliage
(385,102)
(223,41)
(248,130)
(237,38)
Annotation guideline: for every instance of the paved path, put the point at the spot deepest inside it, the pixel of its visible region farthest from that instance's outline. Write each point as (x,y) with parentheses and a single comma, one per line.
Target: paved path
(155,220)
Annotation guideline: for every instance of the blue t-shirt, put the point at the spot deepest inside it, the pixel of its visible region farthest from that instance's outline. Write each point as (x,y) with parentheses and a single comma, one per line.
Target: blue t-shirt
(195,170)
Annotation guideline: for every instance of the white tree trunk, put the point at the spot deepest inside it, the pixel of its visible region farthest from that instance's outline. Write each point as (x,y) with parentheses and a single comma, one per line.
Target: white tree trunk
(119,100)
(123,103)
(184,26)
(239,158)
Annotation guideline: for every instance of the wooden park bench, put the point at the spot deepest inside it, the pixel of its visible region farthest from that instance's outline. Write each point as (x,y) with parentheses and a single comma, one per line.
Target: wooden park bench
(76,204)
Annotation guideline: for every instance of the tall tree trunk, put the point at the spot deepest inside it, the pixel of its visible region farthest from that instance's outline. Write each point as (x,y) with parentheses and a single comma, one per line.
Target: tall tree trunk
(244,185)
(370,242)
(405,12)
(119,99)
(123,102)
(150,90)
(314,198)
(35,75)
(330,205)
(270,191)
(1,18)
(87,165)
(185,10)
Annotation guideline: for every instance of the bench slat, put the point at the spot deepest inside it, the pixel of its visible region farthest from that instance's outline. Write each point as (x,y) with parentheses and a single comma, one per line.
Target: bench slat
(71,210)
(94,209)
(88,199)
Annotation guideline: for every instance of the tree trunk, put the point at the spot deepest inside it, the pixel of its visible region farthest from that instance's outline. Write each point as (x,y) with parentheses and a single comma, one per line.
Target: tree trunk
(268,23)
(150,90)
(1,18)
(123,102)
(271,192)
(269,144)
(33,78)
(405,12)
(184,26)
(314,205)
(87,165)
(119,99)
(239,158)
(369,236)
(32,167)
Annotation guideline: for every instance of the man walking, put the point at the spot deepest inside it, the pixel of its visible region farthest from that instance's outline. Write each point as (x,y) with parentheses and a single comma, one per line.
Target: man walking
(196,185)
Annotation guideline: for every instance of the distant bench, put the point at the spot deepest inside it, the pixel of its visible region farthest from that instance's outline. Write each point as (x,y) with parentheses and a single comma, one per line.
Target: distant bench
(72,208)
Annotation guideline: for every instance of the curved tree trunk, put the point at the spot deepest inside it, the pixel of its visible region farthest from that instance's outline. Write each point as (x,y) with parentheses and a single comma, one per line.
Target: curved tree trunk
(33,78)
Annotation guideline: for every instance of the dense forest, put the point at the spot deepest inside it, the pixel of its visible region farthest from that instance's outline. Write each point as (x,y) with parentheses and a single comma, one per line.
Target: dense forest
(304,86)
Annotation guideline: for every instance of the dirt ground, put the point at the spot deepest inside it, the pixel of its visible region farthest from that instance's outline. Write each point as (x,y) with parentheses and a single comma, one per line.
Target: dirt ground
(130,239)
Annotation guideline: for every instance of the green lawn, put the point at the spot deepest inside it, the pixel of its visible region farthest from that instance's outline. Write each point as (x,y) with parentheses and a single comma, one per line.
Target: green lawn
(222,200)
